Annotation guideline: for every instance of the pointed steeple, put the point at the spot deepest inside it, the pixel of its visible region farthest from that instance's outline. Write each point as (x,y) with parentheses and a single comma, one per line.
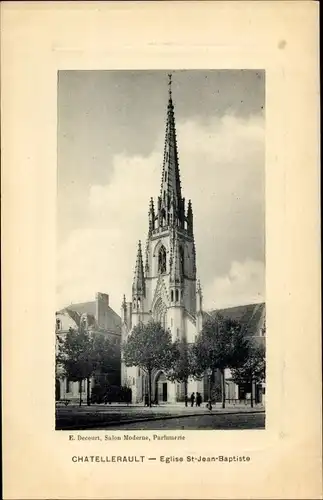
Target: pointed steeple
(138,287)
(124,310)
(147,258)
(199,297)
(170,193)
(190,218)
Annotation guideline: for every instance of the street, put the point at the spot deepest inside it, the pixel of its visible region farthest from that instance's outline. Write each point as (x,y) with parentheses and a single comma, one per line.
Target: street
(166,416)
(203,422)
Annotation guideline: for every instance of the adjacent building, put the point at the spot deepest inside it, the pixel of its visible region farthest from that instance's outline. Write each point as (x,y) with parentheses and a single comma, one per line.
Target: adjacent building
(252,318)
(97,317)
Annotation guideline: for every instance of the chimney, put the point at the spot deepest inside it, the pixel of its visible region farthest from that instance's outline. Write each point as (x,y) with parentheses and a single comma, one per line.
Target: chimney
(102,307)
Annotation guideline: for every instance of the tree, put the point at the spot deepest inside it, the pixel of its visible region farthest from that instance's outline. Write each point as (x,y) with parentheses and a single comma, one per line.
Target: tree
(253,371)
(182,366)
(76,356)
(83,355)
(59,371)
(220,345)
(149,347)
(106,358)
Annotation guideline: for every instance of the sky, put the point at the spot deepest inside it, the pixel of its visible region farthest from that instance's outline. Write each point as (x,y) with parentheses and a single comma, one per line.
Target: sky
(111,127)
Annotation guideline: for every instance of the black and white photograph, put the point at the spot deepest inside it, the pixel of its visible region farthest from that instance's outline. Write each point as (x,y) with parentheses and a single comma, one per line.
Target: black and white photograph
(161,254)
(161,306)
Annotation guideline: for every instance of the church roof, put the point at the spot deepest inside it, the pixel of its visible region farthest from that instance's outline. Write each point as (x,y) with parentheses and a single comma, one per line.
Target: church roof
(75,311)
(83,308)
(250,316)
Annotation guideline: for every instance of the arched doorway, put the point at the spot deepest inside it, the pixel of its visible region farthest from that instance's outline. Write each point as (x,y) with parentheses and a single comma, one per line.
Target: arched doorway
(161,388)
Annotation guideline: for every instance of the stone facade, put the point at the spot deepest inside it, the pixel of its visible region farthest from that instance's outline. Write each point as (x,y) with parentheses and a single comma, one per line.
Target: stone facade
(165,286)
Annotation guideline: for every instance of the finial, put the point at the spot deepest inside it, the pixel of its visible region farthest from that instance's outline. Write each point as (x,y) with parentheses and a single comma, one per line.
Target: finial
(170,85)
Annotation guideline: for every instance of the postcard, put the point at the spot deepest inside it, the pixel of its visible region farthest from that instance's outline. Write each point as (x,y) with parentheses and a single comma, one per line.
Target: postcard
(161,304)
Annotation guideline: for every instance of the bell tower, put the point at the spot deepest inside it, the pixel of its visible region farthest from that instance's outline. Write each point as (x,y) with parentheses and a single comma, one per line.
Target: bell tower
(164,288)
(170,269)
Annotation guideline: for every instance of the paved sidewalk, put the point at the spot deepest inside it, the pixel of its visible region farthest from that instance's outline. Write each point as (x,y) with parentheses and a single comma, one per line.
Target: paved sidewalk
(75,417)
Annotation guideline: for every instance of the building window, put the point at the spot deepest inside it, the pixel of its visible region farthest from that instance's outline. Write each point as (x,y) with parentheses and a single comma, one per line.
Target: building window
(68,385)
(177,333)
(176,294)
(162,260)
(172,295)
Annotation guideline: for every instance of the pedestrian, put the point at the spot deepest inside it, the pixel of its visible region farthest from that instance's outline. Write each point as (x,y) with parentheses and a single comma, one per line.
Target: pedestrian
(186,399)
(198,399)
(209,405)
(146,400)
(192,398)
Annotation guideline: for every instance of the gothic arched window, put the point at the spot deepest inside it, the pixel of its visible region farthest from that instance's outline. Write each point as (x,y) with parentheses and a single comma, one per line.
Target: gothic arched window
(160,312)
(176,294)
(162,260)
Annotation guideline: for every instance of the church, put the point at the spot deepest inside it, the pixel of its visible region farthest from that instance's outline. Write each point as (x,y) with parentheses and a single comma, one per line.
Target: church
(165,286)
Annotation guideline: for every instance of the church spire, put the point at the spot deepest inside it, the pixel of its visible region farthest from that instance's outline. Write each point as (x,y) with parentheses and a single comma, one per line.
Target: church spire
(190,218)
(138,287)
(170,194)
